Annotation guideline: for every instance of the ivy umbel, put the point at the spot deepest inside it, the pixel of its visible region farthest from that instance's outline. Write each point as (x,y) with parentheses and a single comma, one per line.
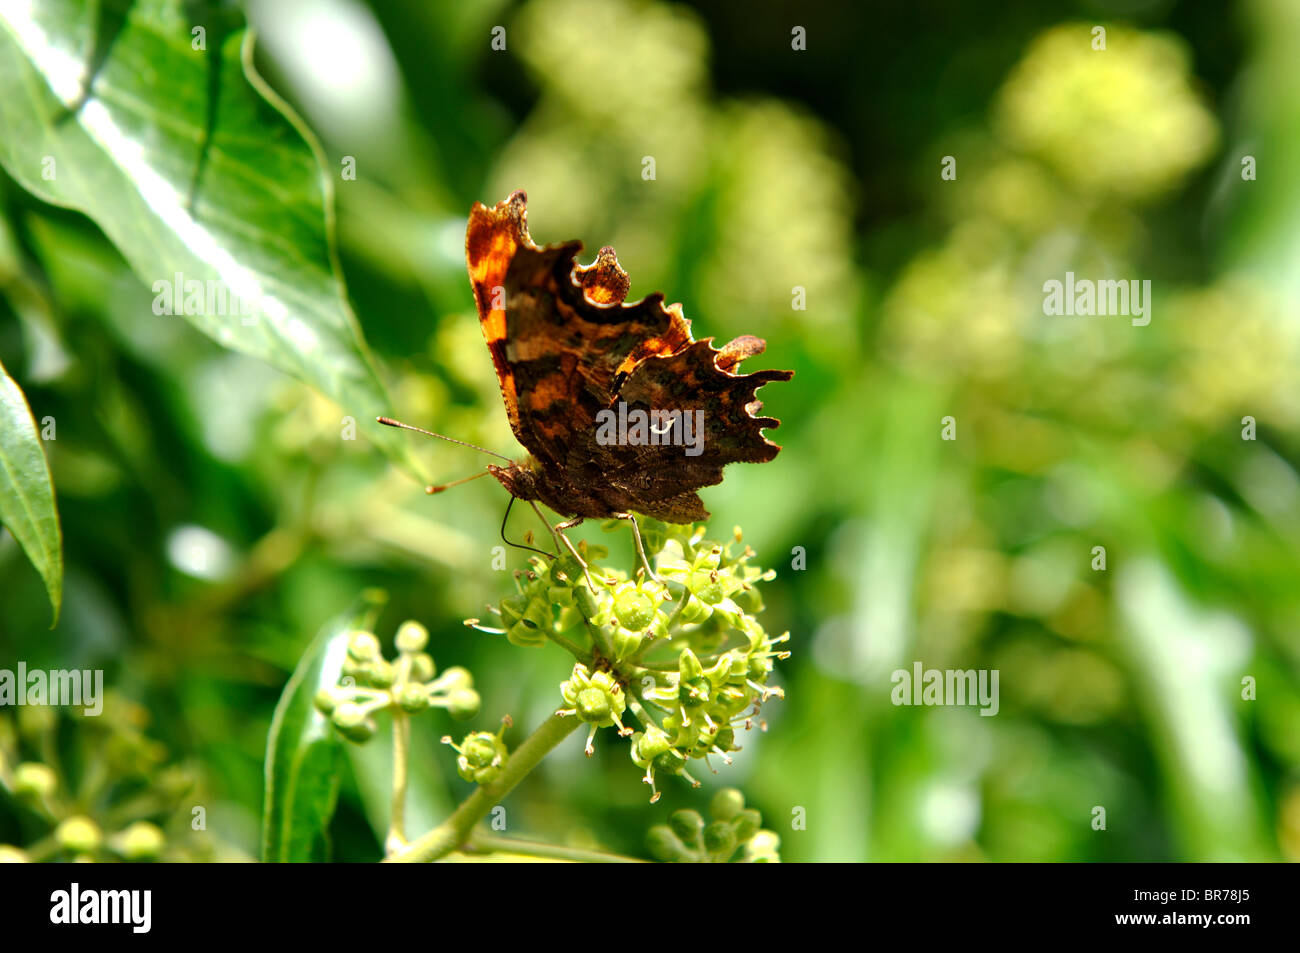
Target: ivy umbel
(678,665)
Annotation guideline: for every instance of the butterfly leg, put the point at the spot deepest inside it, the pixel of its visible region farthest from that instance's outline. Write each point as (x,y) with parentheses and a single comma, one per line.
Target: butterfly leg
(558,532)
(640,546)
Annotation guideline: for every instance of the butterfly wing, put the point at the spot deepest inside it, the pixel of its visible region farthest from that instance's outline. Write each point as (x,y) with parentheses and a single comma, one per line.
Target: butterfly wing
(566,347)
(660,480)
(560,337)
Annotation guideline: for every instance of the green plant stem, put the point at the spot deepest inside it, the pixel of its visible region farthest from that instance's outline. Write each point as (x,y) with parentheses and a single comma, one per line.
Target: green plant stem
(573,648)
(483,843)
(396,838)
(455,830)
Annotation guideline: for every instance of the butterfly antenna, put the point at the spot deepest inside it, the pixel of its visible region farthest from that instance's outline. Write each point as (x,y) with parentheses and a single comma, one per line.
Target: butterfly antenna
(439,487)
(390,422)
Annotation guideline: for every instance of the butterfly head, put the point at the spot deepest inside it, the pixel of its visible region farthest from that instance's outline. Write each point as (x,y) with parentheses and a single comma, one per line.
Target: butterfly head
(519,479)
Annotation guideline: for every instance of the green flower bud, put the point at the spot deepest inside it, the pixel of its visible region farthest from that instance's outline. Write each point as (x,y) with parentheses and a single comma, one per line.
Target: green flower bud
(455,678)
(730,701)
(726,804)
(746,824)
(694,692)
(627,644)
(664,845)
(711,560)
(596,697)
(528,620)
(513,609)
(561,595)
(141,841)
(464,704)
(363,646)
(380,673)
(324,701)
(348,715)
(687,825)
(353,722)
(720,839)
(412,637)
(482,755)
(540,614)
(413,699)
(593,705)
(79,835)
(682,735)
(34,781)
(561,571)
(707,586)
(727,667)
(749,600)
(328,698)
(670,762)
(481,748)
(525,635)
(422,668)
(695,610)
(648,745)
(727,612)
(725,738)
(634,609)
(688,666)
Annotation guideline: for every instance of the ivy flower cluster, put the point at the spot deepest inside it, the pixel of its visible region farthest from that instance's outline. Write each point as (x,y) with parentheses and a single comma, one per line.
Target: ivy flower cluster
(127,804)
(481,754)
(683,652)
(687,839)
(371,683)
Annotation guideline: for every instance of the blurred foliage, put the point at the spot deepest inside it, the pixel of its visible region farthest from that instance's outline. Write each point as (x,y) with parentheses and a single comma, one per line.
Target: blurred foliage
(97,787)
(214,520)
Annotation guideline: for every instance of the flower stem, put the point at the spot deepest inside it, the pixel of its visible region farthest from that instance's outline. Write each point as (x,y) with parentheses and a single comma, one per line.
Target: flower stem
(483,843)
(396,838)
(455,831)
(573,648)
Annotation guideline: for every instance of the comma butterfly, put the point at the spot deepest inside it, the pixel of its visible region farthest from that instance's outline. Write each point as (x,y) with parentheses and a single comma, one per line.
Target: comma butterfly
(621,411)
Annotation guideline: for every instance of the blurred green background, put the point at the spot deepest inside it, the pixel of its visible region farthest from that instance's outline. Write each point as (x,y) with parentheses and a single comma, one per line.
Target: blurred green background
(214,520)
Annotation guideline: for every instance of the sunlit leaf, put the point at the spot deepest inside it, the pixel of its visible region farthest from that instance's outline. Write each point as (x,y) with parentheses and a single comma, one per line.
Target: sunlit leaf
(26,493)
(204,181)
(303,754)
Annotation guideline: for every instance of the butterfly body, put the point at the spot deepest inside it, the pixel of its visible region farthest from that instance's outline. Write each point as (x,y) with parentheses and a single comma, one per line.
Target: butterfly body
(570,355)
(525,480)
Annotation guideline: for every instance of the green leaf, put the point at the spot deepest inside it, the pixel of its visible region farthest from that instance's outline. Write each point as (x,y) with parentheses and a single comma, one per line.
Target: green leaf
(303,754)
(427,799)
(193,168)
(26,493)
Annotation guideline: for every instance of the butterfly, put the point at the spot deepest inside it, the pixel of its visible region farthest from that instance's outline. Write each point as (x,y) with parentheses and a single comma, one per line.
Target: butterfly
(620,409)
